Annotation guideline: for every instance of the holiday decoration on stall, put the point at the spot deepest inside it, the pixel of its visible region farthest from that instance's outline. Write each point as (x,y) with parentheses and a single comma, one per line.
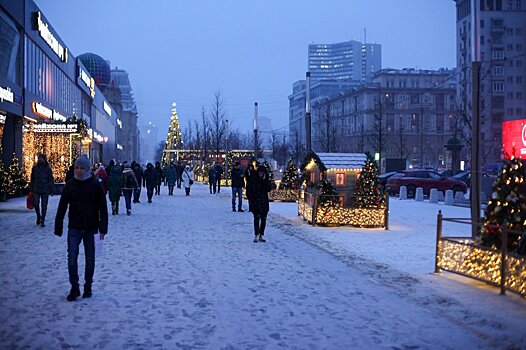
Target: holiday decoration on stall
(174,140)
(290,179)
(5,180)
(507,207)
(16,175)
(327,192)
(367,190)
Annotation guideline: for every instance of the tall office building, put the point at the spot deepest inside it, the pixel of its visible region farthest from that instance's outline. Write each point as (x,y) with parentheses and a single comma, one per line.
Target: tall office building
(349,60)
(129,114)
(493,32)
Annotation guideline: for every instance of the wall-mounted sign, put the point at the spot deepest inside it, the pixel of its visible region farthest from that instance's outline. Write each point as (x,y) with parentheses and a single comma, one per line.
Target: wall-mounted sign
(56,128)
(119,123)
(49,38)
(6,95)
(107,108)
(98,137)
(119,147)
(88,80)
(44,112)
(514,138)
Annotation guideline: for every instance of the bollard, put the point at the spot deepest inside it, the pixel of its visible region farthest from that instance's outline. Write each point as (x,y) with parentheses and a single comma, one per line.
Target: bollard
(440,196)
(459,196)
(449,198)
(439,236)
(419,196)
(433,196)
(403,193)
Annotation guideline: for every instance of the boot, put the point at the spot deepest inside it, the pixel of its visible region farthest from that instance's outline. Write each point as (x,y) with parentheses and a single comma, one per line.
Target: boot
(38,220)
(256,238)
(261,239)
(128,211)
(113,208)
(240,209)
(233,208)
(42,222)
(73,293)
(87,291)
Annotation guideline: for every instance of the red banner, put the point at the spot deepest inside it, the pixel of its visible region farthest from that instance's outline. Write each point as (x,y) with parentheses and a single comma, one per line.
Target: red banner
(514,138)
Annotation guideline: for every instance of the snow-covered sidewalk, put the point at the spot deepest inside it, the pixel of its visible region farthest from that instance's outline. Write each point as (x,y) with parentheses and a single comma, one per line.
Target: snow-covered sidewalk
(183,272)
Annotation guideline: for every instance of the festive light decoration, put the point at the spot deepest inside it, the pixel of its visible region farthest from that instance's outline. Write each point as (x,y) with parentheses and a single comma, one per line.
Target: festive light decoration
(174,140)
(5,179)
(367,189)
(16,175)
(463,257)
(506,209)
(284,195)
(290,178)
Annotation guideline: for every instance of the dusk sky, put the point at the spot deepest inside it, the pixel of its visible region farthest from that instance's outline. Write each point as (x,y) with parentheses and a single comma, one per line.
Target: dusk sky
(184,51)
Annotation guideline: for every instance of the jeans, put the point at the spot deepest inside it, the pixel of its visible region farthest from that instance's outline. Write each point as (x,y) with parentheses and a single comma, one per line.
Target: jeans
(260,221)
(74,238)
(212,186)
(239,192)
(136,194)
(37,197)
(127,192)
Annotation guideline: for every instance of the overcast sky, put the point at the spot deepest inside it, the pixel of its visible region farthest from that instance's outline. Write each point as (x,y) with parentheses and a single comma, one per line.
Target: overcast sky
(184,51)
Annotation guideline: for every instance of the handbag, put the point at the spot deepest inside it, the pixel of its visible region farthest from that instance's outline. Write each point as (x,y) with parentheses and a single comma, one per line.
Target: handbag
(190,181)
(29,201)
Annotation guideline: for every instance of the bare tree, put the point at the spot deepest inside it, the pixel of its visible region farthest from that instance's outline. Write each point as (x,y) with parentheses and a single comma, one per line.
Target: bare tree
(205,133)
(326,129)
(217,120)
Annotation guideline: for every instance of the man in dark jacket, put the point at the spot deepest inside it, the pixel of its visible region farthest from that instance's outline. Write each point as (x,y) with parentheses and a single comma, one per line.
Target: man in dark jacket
(136,167)
(159,174)
(238,182)
(212,181)
(219,173)
(42,185)
(149,180)
(180,169)
(88,215)
(258,187)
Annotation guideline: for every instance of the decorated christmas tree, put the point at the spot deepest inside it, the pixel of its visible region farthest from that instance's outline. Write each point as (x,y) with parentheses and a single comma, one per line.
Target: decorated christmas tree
(5,180)
(507,207)
(367,189)
(290,179)
(270,173)
(16,176)
(174,140)
(328,193)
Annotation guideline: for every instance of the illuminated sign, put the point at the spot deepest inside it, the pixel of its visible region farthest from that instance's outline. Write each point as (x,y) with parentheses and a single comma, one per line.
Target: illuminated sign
(514,138)
(49,38)
(119,123)
(56,128)
(88,80)
(2,119)
(98,137)
(44,112)
(119,147)
(6,95)
(107,108)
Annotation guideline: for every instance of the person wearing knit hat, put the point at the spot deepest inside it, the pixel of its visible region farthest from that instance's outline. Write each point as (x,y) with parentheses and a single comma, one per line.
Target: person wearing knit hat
(88,215)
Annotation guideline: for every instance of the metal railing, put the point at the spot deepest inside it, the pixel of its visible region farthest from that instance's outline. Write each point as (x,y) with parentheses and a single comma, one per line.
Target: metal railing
(498,267)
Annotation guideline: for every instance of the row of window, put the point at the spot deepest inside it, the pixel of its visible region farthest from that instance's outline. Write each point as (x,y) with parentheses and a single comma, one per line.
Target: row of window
(517,110)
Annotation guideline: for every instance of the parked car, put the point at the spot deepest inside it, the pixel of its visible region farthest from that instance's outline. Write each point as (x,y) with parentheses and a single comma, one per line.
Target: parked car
(382,179)
(464,176)
(427,179)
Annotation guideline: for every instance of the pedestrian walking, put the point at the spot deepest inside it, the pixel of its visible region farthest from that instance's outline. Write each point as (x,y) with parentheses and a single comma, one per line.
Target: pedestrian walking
(130,185)
(149,181)
(88,215)
(115,185)
(238,182)
(171,178)
(137,170)
(188,179)
(101,176)
(219,173)
(212,179)
(42,185)
(180,169)
(258,187)
(159,177)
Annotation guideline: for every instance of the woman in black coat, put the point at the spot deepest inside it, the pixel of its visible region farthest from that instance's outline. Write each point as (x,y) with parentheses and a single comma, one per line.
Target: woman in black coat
(258,187)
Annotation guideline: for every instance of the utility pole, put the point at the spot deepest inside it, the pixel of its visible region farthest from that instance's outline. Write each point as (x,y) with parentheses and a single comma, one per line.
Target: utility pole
(256,130)
(380,135)
(307,114)
(422,137)
(226,155)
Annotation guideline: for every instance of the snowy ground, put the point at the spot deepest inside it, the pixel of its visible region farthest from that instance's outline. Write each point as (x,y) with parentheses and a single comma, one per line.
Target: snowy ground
(183,272)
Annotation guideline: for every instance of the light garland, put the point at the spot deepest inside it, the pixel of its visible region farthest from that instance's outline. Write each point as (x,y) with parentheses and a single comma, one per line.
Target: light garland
(465,258)
(284,195)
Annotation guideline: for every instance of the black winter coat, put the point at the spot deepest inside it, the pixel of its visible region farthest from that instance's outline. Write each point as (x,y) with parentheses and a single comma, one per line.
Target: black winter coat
(87,206)
(149,178)
(237,178)
(159,174)
(42,179)
(257,194)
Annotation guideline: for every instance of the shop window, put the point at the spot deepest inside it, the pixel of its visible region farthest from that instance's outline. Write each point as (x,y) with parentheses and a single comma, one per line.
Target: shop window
(340,179)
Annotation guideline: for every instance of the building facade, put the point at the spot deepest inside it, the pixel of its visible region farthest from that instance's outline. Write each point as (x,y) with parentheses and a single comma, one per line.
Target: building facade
(494,33)
(49,101)
(400,114)
(349,60)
